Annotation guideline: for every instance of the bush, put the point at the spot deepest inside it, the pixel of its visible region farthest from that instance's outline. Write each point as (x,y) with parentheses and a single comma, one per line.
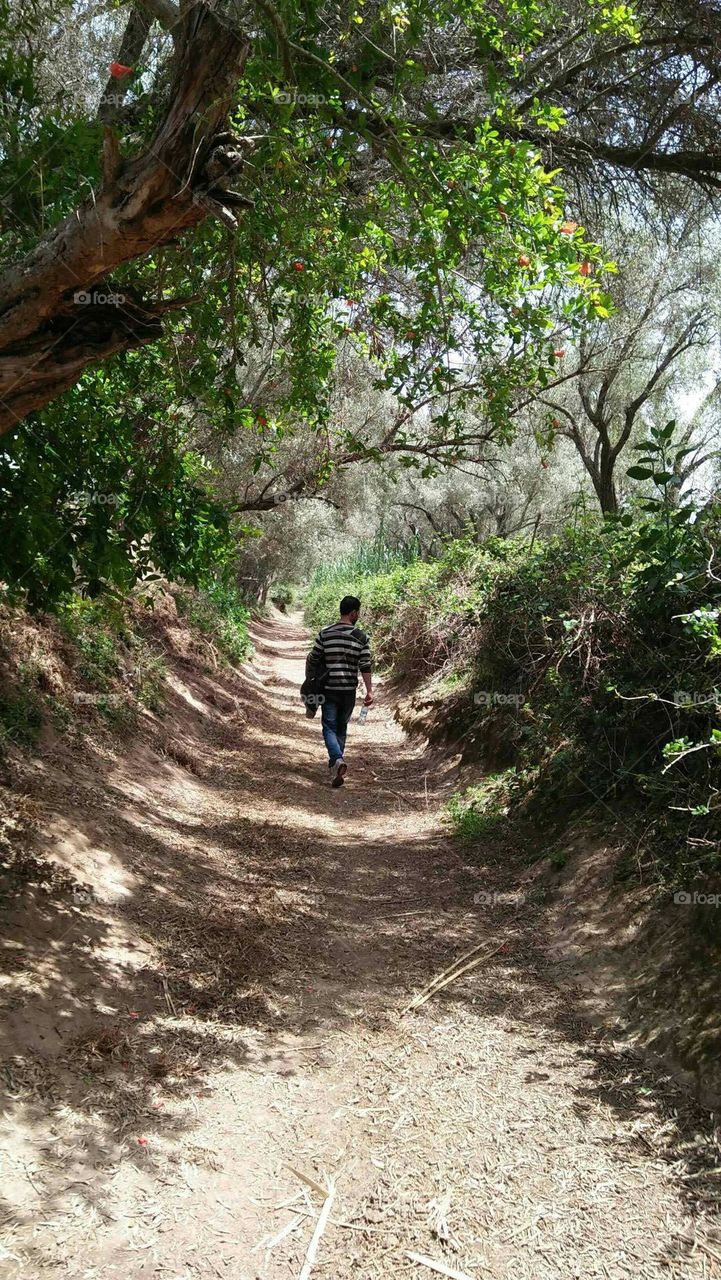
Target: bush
(222,615)
(479,810)
(20,717)
(597,650)
(282,597)
(96,627)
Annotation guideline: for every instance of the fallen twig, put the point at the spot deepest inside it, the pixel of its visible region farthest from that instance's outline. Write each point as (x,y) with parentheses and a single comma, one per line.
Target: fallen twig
(168,998)
(309,1182)
(440,1267)
(451,973)
(271,1241)
(320,1227)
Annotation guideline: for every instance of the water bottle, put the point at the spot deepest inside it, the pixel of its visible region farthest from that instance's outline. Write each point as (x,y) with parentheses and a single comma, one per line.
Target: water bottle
(363,716)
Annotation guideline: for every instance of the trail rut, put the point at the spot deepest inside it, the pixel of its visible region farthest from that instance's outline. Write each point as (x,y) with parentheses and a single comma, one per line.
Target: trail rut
(249,976)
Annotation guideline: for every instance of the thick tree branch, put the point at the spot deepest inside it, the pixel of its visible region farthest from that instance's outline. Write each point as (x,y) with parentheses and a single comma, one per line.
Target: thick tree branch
(129,54)
(702,166)
(682,343)
(45,338)
(164,11)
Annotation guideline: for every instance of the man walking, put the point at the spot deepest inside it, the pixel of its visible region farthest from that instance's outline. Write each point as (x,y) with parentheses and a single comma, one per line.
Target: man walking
(343,649)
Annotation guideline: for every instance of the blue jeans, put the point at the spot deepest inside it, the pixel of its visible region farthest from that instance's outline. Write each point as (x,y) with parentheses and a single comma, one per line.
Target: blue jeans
(336,711)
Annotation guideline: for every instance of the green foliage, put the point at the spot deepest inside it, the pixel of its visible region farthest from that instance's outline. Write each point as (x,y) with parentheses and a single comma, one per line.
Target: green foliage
(20,716)
(366,560)
(282,595)
(116,667)
(95,496)
(602,677)
(372,570)
(479,810)
(96,628)
(667,540)
(367,233)
(221,614)
(108,646)
(150,675)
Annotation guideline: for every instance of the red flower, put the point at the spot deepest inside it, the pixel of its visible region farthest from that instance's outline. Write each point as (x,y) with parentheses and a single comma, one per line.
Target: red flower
(584,269)
(298,266)
(118,69)
(524,260)
(560,352)
(568,228)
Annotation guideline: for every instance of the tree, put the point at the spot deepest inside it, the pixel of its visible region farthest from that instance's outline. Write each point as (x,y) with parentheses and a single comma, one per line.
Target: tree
(414,212)
(336,81)
(630,369)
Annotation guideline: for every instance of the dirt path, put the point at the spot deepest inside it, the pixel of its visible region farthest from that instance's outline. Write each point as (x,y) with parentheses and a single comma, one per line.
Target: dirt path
(229,1031)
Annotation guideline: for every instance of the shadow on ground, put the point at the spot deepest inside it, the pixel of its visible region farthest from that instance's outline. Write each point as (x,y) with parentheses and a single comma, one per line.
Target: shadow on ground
(213,883)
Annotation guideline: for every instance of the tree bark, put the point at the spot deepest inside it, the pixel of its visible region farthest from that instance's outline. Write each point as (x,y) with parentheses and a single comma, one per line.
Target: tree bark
(54,319)
(606,491)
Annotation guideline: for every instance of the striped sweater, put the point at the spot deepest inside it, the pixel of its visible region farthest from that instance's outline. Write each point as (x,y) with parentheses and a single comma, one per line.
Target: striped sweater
(344,650)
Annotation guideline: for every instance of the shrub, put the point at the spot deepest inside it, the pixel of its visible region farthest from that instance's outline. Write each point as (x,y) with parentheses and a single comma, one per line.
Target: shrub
(598,649)
(222,615)
(20,717)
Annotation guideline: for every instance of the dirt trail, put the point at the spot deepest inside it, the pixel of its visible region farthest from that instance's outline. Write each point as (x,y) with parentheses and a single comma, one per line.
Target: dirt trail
(228,1019)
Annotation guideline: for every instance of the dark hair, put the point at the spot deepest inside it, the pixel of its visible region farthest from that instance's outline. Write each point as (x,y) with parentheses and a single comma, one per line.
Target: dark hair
(348,605)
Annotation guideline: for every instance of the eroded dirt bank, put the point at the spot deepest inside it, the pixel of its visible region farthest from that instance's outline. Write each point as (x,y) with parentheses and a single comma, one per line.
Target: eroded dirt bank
(214,1022)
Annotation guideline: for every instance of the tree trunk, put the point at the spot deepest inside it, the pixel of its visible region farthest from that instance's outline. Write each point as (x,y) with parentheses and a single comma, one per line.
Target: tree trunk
(59,312)
(605,487)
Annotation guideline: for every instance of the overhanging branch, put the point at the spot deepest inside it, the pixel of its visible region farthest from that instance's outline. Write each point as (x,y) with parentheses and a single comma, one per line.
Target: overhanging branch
(46,338)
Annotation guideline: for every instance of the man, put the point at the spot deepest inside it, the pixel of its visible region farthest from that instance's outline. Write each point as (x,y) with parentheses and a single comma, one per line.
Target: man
(343,649)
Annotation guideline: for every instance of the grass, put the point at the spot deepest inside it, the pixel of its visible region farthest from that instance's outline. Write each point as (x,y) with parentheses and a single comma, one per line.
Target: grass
(375,572)
(149,677)
(481,809)
(21,717)
(365,561)
(95,630)
(117,666)
(221,614)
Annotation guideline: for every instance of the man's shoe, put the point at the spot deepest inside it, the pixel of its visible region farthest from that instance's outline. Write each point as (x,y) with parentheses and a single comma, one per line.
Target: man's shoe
(340,769)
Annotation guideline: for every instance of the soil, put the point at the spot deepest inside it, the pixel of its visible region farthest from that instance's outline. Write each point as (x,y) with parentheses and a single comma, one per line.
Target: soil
(205,975)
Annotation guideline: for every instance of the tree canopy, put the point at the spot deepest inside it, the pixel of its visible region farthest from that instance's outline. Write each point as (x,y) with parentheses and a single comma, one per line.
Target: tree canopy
(205,206)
